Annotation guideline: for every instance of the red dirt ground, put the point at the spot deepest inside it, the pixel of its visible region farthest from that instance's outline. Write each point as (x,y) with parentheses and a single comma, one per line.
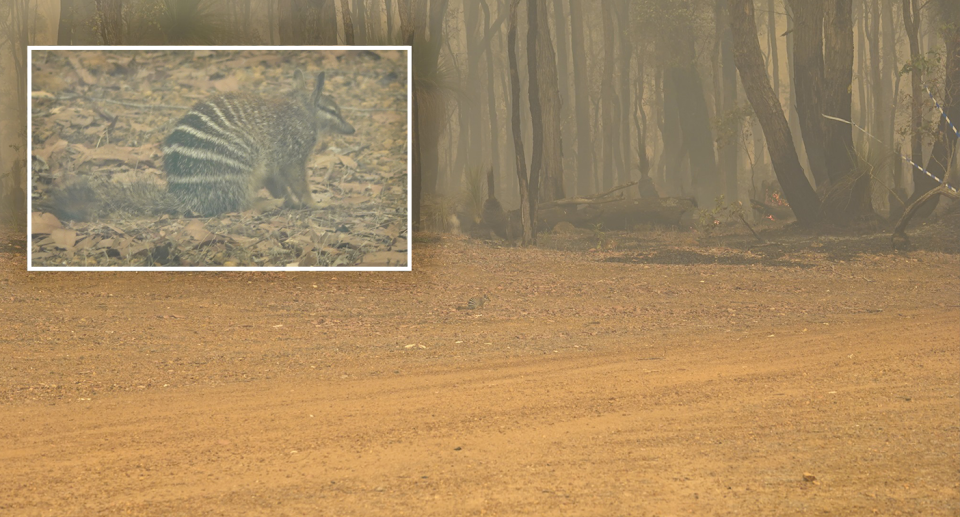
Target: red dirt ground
(591,384)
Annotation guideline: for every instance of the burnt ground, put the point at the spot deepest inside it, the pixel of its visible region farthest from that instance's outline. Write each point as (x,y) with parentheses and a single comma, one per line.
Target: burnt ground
(657,374)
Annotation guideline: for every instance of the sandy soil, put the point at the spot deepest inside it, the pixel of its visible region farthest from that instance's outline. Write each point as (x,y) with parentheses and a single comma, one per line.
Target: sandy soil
(613,383)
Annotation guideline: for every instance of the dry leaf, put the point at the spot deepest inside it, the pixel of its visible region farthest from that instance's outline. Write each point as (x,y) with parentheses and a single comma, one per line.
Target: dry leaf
(44,223)
(346,160)
(64,238)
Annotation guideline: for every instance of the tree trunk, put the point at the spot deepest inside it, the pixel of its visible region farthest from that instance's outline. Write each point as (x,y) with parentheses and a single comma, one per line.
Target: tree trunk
(388,6)
(405,8)
(728,153)
(549,93)
(921,182)
(606,98)
(563,74)
(626,52)
(694,121)
(491,93)
(584,139)
(640,119)
(792,117)
(110,21)
(870,38)
(837,94)
(361,27)
(944,146)
(753,75)
(348,36)
(521,163)
(308,22)
(772,39)
(65,30)
(329,34)
(808,82)
(536,119)
(673,144)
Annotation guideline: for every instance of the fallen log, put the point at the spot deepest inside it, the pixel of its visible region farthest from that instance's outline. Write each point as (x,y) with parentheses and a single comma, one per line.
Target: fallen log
(622,214)
(899,238)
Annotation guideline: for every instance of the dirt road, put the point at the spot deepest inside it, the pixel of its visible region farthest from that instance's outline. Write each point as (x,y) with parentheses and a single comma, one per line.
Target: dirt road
(586,387)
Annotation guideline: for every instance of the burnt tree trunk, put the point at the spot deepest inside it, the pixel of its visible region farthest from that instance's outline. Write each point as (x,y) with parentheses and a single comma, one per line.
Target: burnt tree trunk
(549,93)
(65,30)
(110,21)
(808,82)
(491,93)
(753,75)
(521,163)
(626,52)
(536,120)
(563,74)
(606,98)
(837,93)
(694,119)
(729,152)
(348,36)
(582,94)
(361,28)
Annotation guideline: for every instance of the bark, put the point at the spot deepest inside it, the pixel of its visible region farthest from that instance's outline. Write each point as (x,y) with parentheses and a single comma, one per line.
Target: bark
(808,82)
(911,22)
(468,109)
(673,145)
(308,22)
(536,120)
(348,36)
(361,27)
(552,169)
(388,5)
(792,101)
(606,98)
(271,20)
(772,38)
(728,153)
(837,95)
(786,163)
(891,79)
(626,51)
(408,34)
(491,94)
(427,19)
(328,22)
(584,138)
(694,119)
(110,21)
(521,164)
(869,39)
(563,74)
(640,120)
(65,30)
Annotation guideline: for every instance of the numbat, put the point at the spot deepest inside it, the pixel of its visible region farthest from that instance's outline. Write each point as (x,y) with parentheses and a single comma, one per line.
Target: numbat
(474,303)
(229,146)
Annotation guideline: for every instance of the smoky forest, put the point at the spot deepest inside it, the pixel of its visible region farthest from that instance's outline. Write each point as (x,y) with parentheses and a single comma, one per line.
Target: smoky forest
(666,257)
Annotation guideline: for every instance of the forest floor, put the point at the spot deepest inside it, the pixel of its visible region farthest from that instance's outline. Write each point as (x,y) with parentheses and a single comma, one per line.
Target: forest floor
(663,376)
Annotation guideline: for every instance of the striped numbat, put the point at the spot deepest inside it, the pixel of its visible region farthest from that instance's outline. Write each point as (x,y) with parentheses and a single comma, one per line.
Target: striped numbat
(474,303)
(229,146)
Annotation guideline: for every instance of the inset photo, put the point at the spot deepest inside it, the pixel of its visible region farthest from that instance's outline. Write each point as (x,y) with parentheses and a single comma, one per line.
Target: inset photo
(219,158)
